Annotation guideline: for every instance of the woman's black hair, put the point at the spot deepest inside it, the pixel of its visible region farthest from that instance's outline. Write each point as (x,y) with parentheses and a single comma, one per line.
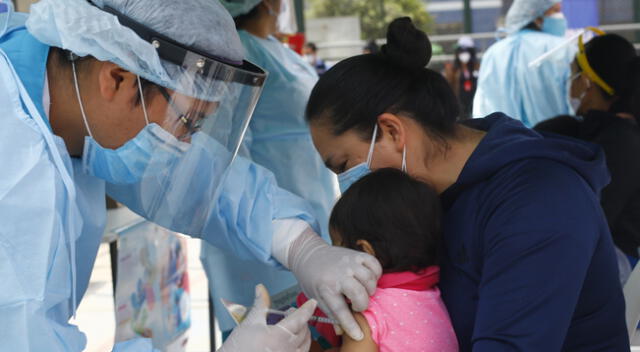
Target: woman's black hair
(614,59)
(398,215)
(65,58)
(354,92)
(247,17)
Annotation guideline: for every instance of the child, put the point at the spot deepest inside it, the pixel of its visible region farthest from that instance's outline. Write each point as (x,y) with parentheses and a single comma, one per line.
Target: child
(395,218)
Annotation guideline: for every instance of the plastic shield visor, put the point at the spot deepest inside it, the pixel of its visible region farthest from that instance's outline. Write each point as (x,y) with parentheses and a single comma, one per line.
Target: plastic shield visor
(197,120)
(196,125)
(178,188)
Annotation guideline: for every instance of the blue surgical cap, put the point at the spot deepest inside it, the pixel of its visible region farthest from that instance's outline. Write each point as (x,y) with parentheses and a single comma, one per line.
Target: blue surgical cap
(523,12)
(84,29)
(239,7)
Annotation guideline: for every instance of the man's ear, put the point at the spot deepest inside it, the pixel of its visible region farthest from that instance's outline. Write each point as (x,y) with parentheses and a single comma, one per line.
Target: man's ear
(366,247)
(116,83)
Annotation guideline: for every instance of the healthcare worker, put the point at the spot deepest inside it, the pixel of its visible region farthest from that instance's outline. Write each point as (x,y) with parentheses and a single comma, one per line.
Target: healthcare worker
(138,100)
(508,84)
(527,262)
(278,138)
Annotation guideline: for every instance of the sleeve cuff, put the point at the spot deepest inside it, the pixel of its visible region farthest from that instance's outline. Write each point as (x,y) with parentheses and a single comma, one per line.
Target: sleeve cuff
(285,232)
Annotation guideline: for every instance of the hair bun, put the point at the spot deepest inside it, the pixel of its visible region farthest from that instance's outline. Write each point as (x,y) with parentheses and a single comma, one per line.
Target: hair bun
(406,45)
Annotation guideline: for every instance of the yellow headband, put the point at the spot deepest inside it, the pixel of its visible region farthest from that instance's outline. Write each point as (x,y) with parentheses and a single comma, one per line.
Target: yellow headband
(584,63)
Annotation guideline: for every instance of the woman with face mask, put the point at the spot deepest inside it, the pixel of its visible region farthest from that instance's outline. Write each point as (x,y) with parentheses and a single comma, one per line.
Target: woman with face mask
(463,75)
(605,93)
(278,138)
(146,101)
(528,263)
(508,84)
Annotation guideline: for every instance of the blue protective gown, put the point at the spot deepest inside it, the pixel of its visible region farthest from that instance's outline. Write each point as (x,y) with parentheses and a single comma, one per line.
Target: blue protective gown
(507,84)
(278,139)
(54,214)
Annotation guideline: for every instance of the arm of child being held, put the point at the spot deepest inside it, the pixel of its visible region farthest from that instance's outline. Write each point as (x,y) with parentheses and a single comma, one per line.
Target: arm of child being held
(365,345)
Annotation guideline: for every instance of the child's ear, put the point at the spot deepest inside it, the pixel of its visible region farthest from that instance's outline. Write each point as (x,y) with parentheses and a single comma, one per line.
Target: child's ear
(366,247)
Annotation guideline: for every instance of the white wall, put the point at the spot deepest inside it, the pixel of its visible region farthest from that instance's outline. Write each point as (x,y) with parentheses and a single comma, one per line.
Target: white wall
(342,33)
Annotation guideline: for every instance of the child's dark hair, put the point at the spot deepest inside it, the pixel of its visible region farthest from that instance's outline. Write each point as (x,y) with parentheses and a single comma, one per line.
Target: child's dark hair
(398,215)
(354,92)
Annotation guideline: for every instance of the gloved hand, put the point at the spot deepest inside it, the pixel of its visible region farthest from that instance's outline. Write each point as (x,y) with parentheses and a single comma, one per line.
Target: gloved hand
(329,273)
(254,335)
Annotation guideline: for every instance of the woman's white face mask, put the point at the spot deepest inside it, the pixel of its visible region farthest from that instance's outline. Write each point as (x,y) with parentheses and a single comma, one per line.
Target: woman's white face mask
(464,57)
(576,102)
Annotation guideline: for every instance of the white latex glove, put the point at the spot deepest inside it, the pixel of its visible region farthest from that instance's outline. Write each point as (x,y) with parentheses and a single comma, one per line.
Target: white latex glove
(291,334)
(329,274)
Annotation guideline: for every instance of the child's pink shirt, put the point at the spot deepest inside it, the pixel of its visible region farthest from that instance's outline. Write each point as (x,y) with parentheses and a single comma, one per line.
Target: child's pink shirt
(405,318)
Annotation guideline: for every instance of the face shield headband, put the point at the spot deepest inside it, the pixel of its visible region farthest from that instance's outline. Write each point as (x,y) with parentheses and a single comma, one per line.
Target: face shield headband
(583,62)
(177,54)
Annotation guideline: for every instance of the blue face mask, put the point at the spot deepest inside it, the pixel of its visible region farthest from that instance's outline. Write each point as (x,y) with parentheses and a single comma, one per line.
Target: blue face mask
(152,150)
(555,24)
(349,177)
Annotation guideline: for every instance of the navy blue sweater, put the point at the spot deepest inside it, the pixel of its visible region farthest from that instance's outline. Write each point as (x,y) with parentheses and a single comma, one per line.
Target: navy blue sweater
(528,263)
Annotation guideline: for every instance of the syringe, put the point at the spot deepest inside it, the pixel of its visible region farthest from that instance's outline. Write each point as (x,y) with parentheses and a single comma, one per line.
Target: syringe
(238,312)
(313,318)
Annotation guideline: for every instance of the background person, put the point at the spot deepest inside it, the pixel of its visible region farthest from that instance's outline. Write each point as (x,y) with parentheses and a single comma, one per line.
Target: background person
(371,47)
(605,91)
(507,84)
(528,261)
(462,75)
(310,55)
(278,138)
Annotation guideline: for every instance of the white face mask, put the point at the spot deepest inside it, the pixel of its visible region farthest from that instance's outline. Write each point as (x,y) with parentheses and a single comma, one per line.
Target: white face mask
(310,59)
(577,102)
(464,57)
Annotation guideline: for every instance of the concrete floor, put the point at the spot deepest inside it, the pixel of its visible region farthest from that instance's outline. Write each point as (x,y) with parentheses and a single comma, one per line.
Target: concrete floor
(95,315)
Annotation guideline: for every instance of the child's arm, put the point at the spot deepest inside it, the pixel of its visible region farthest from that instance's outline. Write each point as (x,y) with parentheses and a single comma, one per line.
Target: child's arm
(365,345)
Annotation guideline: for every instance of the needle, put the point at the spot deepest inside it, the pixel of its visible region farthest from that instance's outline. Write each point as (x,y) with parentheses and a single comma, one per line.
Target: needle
(313,318)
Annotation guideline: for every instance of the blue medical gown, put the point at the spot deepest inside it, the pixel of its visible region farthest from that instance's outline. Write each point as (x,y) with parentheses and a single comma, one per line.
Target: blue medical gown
(278,139)
(507,84)
(43,229)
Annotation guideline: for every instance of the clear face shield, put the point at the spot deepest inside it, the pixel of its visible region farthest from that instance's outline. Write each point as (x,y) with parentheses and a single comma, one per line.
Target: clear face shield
(193,134)
(287,22)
